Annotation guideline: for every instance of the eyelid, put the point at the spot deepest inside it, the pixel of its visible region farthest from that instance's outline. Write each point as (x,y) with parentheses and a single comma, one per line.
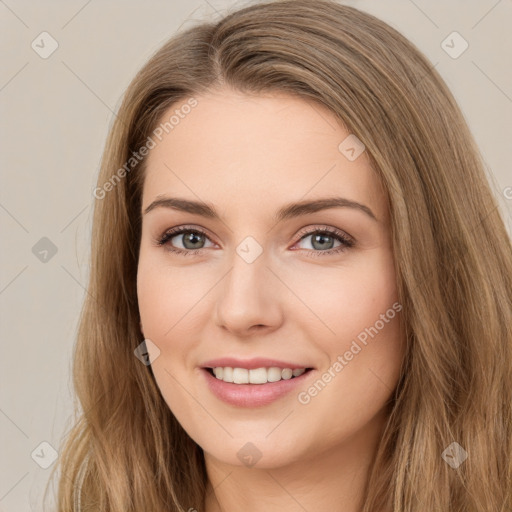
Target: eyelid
(347,241)
(325,229)
(179,230)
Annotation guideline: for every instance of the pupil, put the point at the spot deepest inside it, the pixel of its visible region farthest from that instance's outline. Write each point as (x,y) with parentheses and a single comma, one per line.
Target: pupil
(321,239)
(193,238)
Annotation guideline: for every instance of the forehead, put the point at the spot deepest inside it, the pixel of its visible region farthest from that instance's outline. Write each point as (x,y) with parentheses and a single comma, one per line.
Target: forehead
(253,151)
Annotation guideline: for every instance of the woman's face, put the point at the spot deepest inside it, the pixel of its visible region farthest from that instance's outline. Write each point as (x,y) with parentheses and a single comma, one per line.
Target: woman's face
(263,279)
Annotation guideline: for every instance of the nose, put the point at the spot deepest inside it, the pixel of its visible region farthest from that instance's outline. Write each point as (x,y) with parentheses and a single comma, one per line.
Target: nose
(249,298)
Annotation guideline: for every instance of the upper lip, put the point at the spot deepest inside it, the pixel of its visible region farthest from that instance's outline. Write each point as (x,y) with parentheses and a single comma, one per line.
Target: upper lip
(249,364)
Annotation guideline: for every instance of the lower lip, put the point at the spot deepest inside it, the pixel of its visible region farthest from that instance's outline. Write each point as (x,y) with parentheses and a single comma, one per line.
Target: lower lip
(252,395)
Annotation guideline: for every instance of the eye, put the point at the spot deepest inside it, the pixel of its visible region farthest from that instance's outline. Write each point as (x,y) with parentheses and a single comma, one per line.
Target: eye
(191,240)
(324,239)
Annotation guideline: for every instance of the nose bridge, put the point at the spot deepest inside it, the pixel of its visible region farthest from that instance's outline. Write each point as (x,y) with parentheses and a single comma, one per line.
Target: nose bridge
(247,278)
(247,295)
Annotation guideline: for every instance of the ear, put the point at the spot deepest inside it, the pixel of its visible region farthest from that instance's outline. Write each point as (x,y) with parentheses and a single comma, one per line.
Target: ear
(141,330)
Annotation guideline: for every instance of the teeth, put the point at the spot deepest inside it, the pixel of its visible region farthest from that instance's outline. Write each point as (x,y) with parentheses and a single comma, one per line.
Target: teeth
(257,375)
(286,373)
(240,376)
(274,374)
(227,374)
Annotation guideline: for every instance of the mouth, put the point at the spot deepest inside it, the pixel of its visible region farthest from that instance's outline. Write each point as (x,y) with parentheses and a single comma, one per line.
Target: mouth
(256,376)
(263,386)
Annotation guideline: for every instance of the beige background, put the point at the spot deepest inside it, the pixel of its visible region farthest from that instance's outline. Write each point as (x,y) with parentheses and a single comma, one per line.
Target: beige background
(55,116)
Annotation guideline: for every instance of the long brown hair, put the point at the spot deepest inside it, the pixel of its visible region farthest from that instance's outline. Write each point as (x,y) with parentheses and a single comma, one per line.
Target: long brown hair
(453,256)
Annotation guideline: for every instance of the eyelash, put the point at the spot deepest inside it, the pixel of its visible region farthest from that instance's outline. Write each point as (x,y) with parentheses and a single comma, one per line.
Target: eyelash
(346,241)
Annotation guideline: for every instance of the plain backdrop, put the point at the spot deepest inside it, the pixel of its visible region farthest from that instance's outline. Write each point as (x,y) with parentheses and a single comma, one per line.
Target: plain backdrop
(56,113)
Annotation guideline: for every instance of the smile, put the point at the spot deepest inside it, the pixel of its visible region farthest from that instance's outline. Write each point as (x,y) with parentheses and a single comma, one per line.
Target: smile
(256,375)
(249,394)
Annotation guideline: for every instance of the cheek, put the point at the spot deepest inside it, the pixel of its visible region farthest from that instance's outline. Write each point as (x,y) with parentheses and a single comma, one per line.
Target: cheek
(359,305)
(155,305)
(350,299)
(370,338)
(167,296)
(363,356)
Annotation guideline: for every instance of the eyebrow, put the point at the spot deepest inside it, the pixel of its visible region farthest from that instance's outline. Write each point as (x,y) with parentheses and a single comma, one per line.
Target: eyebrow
(288,211)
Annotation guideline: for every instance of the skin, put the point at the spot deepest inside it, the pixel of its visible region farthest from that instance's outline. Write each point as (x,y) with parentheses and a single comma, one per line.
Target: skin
(249,156)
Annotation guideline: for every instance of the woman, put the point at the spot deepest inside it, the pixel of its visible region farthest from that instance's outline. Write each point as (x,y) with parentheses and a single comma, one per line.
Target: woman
(300,293)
